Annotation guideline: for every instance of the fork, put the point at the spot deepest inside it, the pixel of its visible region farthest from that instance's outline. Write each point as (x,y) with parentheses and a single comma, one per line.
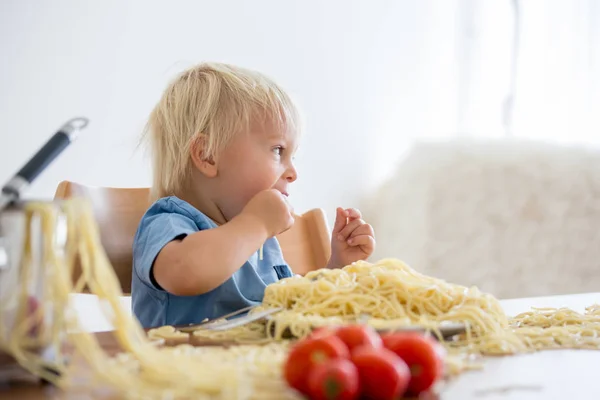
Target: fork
(222,323)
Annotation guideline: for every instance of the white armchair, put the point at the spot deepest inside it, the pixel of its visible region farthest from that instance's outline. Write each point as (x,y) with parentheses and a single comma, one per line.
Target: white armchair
(511,217)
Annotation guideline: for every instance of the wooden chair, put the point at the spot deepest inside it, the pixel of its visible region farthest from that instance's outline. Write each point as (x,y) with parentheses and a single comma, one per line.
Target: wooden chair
(118,211)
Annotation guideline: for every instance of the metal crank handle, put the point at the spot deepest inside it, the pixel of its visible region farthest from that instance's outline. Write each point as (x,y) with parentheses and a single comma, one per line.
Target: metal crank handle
(54,146)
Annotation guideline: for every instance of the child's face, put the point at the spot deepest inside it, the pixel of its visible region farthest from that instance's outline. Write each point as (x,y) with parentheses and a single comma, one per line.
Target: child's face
(252,162)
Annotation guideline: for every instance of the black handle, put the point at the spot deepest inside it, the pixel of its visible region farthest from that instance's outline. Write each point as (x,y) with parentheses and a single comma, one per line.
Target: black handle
(53,147)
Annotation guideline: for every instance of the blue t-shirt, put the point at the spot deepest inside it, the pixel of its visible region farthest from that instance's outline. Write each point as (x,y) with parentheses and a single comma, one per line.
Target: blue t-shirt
(171,218)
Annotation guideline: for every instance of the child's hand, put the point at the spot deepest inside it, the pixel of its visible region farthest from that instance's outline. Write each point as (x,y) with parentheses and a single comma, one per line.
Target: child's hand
(270,208)
(352,238)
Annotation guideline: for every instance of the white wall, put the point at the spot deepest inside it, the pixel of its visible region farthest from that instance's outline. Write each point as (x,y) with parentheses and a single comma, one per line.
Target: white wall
(358,69)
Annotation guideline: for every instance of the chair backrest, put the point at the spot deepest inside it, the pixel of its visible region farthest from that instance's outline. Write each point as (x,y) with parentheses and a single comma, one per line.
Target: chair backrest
(307,245)
(118,211)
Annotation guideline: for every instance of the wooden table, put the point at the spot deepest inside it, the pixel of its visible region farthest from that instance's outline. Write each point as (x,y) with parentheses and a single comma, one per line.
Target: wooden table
(553,374)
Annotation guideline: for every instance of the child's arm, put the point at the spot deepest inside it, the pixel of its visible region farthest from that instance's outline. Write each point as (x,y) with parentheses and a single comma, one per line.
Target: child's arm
(204,260)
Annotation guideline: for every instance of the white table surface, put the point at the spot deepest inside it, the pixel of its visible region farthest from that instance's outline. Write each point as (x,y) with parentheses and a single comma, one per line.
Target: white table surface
(553,374)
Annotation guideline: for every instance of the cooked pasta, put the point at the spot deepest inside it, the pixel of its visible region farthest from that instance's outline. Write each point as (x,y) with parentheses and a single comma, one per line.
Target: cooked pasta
(386,295)
(390,294)
(160,372)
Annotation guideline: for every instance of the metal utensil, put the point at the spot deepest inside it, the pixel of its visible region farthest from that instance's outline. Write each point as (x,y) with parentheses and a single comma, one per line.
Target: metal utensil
(54,146)
(446,330)
(222,323)
(243,320)
(12,237)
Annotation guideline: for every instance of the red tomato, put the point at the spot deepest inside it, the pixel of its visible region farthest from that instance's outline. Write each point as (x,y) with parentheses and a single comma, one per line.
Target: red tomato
(424,356)
(383,375)
(307,354)
(359,335)
(322,331)
(334,380)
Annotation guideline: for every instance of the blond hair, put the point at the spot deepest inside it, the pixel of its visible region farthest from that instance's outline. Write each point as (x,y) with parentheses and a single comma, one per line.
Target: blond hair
(215,101)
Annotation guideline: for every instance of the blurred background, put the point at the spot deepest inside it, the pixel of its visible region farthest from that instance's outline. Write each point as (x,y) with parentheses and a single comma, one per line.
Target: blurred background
(467,131)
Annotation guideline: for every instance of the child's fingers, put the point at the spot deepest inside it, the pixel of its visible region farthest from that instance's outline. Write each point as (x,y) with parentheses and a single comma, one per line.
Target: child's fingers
(353,213)
(364,229)
(340,220)
(348,229)
(366,241)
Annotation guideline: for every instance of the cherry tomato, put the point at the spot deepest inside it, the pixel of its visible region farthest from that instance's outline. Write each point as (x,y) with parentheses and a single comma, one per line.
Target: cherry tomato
(307,354)
(423,355)
(322,331)
(383,375)
(359,335)
(334,380)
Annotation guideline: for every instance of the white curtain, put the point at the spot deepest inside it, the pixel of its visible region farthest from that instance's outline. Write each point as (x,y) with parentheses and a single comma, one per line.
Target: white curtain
(530,68)
(488,68)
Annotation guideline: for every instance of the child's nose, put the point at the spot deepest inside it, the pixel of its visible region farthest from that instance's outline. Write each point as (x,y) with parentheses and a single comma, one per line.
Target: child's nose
(291,174)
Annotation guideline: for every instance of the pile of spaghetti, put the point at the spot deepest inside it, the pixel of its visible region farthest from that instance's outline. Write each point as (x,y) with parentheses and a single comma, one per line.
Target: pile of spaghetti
(390,295)
(387,294)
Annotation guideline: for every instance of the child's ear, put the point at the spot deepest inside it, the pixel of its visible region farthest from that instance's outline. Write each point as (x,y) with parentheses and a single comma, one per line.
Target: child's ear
(206,165)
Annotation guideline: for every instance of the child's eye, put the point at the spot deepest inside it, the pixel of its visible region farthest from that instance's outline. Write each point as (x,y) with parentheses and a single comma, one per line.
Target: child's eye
(278,150)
